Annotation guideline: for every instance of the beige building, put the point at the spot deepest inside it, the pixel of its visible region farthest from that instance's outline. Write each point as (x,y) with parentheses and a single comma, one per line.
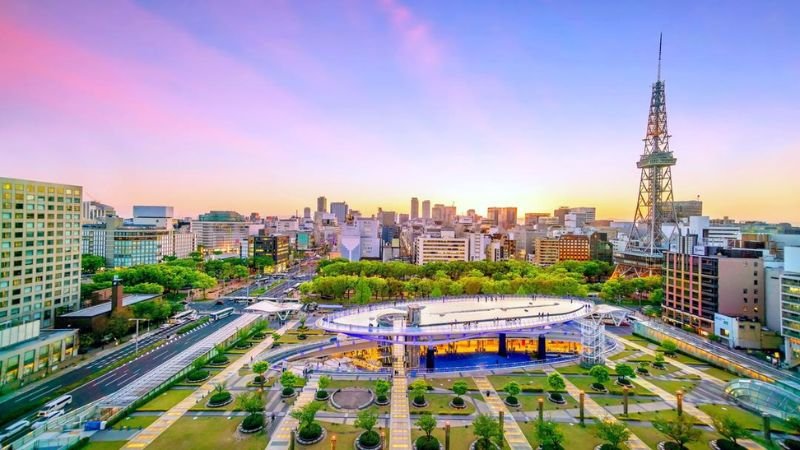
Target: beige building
(442,249)
(40,250)
(220,231)
(549,251)
(545,251)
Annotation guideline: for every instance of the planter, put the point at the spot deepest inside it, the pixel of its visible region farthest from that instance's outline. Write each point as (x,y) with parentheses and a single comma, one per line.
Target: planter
(322,398)
(302,441)
(789,444)
(220,404)
(664,445)
(724,444)
(414,403)
(473,445)
(358,446)
(463,405)
(199,380)
(602,447)
(641,371)
(602,389)
(285,394)
(626,383)
(253,430)
(382,403)
(414,444)
(557,400)
(513,405)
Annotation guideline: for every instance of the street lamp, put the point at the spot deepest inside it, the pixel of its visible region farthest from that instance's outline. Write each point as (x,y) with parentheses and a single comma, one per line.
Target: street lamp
(137,332)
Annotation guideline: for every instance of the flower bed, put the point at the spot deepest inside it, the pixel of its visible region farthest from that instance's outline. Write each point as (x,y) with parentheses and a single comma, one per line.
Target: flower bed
(419,402)
(458,403)
(197,376)
(369,441)
(422,443)
(252,424)
(382,400)
(288,392)
(219,400)
(556,398)
(310,435)
(598,387)
(511,401)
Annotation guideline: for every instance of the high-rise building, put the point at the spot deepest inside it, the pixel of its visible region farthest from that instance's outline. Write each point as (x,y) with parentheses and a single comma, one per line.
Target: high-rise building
(437,213)
(568,247)
(449,215)
(560,213)
(220,231)
(504,217)
(306,212)
(790,304)
(40,250)
(322,204)
(414,208)
(532,219)
(127,245)
(275,246)
(654,222)
(589,212)
(339,209)
(545,251)
(426,209)
(94,212)
(443,249)
(388,218)
(728,282)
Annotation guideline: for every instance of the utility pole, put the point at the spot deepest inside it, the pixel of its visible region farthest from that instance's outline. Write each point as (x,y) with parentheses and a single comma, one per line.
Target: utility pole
(136,338)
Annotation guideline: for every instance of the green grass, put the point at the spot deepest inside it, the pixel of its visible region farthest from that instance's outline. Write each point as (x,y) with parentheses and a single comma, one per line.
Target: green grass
(573,369)
(345,436)
(339,384)
(232,406)
(722,374)
(750,420)
(207,433)
(684,358)
(326,406)
(609,400)
(530,402)
(166,400)
(672,386)
(524,381)
(623,354)
(135,422)
(447,383)
(585,384)
(575,436)
(104,445)
(652,437)
(440,404)
(460,437)
(649,416)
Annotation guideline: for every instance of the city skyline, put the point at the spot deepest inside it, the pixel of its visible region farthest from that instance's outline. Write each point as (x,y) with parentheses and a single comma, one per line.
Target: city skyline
(202,108)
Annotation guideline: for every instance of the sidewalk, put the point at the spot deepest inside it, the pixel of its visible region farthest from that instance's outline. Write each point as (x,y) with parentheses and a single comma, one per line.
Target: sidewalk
(511,430)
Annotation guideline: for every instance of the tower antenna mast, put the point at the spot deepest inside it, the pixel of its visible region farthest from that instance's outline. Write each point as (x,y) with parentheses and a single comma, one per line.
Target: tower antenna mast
(660,35)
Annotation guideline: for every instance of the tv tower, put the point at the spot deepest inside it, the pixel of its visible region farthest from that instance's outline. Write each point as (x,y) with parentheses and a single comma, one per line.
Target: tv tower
(654,207)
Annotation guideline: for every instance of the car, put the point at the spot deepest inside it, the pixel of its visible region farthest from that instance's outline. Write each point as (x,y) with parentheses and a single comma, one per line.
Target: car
(219,303)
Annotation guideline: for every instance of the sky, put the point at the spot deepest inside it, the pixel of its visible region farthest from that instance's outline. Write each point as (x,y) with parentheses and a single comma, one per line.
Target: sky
(266,105)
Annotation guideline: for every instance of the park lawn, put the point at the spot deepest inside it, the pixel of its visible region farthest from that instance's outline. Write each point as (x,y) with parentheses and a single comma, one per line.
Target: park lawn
(207,433)
(460,437)
(232,406)
(722,374)
(573,369)
(166,400)
(340,384)
(686,359)
(524,381)
(613,400)
(326,406)
(440,404)
(104,445)
(623,354)
(345,436)
(649,416)
(667,370)
(292,338)
(749,420)
(672,386)
(575,436)
(447,383)
(530,402)
(585,384)
(135,422)
(652,437)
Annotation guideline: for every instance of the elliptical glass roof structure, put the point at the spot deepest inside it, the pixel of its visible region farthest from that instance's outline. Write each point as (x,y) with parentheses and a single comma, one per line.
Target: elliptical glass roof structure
(765,397)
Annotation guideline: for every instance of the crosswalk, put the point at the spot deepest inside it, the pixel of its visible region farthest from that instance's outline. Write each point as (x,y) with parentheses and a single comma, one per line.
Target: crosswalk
(399,415)
(511,430)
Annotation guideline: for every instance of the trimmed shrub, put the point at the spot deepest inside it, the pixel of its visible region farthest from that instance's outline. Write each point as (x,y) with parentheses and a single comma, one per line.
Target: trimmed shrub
(219,398)
(219,359)
(530,390)
(322,395)
(424,444)
(556,397)
(311,432)
(419,400)
(197,375)
(253,422)
(258,379)
(287,392)
(370,439)
(382,398)
(725,444)
(792,444)
(458,401)
(598,387)
(301,337)
(511,400)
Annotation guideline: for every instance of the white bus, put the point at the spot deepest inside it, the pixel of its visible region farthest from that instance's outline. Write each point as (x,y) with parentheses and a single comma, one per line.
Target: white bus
(183,316)
(55,405)
(15,428)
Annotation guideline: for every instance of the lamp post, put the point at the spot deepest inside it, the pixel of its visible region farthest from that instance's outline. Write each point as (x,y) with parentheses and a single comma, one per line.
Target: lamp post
(136,338)
(679,399)
(582,399)
(625,391)
(541,409)
(447,435)
(333,442)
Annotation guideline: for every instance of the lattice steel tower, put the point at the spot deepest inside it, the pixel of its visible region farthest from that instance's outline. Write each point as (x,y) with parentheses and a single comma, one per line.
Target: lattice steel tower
(654,208)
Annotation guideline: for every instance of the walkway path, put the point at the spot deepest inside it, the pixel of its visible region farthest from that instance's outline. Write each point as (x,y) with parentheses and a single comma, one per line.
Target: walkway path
(684,367)
(511,430)
(592,409)
(149,434)
(282,435)
(399,418)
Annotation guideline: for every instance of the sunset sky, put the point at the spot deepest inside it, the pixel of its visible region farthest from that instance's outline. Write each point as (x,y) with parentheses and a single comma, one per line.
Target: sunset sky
(263,106)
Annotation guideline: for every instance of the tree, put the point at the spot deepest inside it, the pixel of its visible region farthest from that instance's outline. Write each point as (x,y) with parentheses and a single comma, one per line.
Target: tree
(92,263)
(118,324)
(427,423)
(556,382)
(730,429)
(362,292)
(600,374)
(613,432)
(305,416)
(367,420)
(658,361)
(623,370)
(512,389)
(260,368)
(250,402)
(669,346)
(381,390)
(680,430)
(656,296)
(418,390)
(487,430)
(548,435)
(288,381)
(460,387)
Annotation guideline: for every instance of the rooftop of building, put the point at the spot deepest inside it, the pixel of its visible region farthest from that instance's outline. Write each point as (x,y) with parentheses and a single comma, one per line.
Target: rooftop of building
(45,336)
(105,308)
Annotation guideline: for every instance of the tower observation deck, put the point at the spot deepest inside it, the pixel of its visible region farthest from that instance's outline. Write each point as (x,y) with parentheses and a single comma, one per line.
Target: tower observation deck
(654,222)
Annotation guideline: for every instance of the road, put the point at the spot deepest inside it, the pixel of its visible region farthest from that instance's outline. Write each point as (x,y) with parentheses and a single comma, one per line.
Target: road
(115,379)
